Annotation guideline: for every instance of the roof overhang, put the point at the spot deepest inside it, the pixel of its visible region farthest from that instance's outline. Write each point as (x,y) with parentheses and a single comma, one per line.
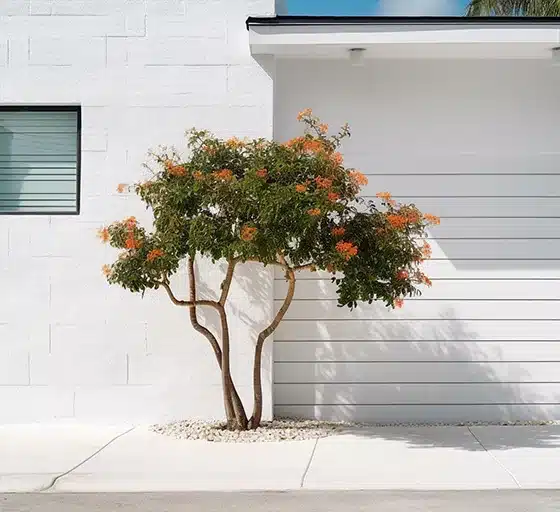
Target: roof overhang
(404,37)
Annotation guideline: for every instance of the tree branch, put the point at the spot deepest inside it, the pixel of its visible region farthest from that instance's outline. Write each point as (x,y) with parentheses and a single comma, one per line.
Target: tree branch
(187,303)
(226,283)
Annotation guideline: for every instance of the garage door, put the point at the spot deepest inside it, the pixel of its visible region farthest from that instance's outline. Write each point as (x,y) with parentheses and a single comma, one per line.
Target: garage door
(477,143)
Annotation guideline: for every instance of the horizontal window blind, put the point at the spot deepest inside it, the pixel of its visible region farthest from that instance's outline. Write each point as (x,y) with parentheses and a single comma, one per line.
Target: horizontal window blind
(39,160)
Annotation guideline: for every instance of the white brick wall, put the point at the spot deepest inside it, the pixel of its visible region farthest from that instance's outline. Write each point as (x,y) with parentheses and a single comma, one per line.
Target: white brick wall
(143,71)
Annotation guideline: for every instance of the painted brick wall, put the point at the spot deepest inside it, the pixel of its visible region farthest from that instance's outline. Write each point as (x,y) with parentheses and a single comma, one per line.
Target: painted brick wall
(143,71)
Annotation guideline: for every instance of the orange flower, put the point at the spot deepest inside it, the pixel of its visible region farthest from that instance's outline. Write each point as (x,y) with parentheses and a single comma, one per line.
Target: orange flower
(333,196)
(132,243)
(338,231)
(346,249)
(323,128)
(293,142)
(121,187)
(398,303)
(304,113)
(176,170)
(386,196)
(248,233)
(262,173)
(234,142)
(403,274)
(432,219)
(103,234)
(224,174)
(425,279)
(209,149)
(426,250)
(313,146)
(358,178)
(397,221)
(301,188)
(106,270)
(154,254)
(197,175)
(130,222)
(323,182)
(337,158)
(314,212)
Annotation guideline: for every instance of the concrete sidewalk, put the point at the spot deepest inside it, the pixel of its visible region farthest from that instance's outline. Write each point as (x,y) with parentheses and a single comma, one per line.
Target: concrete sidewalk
(82,458)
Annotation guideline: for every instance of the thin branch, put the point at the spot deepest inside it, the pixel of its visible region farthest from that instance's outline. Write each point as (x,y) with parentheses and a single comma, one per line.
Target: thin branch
(226,284)
(188,303)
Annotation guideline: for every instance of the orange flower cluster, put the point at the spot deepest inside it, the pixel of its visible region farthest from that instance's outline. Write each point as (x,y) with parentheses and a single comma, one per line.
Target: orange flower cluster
(131,242)
(209,149)
(333,196)
(174,169)
(386,197)
(106,270)
(224,174)
(432,219)
(425,279)
(402,274)
(337,158)
(323,182)
(307,112)
(154,254)
(314,212)
(262,173)
(338,231)
(103,234)
(197,175)
(301,188)
(121,187)
(308,145)
(323,128)
(398,303)
(346,249)
(426,250)
(234,142)
(397,221)
(248,233)
(358,178)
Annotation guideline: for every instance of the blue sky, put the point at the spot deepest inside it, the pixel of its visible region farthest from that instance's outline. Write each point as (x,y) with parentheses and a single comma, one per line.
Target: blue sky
(377,7)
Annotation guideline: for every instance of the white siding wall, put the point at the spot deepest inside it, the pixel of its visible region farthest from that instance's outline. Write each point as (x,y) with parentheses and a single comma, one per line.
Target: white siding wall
(476,142)
(143,72)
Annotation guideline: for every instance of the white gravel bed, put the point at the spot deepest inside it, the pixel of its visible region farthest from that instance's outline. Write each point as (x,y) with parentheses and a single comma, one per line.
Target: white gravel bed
(297,429)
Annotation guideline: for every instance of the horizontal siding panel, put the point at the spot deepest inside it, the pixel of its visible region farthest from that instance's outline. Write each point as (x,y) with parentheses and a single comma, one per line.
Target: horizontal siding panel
(443,309)
(436,372)
(421,351)
(415,394)
(485,207)
(384,414)
(465,185)
(531,164)
(496,228)
(526,269)
(317,289)
(443,329)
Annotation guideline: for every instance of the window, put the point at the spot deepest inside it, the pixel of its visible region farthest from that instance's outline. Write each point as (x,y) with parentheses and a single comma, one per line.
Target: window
(40,160)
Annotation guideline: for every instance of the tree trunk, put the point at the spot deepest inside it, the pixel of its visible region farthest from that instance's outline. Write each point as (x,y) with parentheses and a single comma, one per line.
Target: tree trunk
(232,401)
(256,417)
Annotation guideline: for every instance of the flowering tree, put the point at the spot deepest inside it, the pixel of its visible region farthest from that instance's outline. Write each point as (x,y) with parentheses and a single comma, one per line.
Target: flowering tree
(293,205)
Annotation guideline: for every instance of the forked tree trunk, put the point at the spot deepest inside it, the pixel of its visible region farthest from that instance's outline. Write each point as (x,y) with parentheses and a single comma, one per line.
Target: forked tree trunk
(256,417)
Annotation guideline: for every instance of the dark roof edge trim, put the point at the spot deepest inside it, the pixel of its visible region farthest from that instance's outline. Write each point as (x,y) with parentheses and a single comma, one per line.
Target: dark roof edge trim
(398,20)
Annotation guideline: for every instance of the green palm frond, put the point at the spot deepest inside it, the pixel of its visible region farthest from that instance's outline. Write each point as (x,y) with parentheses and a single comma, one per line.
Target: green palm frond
(513,8)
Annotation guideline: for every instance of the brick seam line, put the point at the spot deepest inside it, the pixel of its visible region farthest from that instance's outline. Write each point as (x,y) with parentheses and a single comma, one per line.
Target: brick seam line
(302,482)
(495,459)
(62,475)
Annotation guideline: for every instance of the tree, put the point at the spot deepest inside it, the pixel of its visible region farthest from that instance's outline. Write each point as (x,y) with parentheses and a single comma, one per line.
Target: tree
(293,206)
(514,8)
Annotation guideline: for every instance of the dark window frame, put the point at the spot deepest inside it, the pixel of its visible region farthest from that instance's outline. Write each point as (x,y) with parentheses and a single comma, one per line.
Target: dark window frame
(56,108)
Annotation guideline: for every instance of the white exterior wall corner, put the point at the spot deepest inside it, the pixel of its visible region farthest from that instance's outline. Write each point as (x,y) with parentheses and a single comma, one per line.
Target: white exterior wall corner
(143,71)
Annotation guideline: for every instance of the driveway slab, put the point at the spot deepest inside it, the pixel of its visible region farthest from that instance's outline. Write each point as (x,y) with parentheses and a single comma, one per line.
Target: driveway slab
(150,462)
(31,456)
(431,458)
(530,454)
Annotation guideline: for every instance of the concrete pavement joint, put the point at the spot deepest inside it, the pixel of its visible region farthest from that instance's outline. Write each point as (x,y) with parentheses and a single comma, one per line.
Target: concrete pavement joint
(309,463)
(495,459)
(62,475)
